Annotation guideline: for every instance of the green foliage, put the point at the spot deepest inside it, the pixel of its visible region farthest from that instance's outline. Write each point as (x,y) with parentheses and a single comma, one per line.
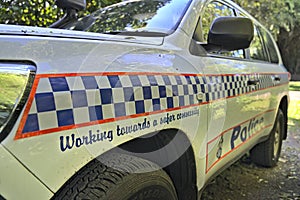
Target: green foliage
(30,12)
(295,86)
(40,12)
(282,18)
(274,14)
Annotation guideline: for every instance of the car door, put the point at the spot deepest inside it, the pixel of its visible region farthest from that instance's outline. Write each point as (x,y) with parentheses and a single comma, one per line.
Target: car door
(237,90)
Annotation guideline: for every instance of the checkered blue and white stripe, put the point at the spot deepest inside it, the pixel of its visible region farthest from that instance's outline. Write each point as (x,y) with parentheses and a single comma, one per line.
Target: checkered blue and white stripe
(74,100)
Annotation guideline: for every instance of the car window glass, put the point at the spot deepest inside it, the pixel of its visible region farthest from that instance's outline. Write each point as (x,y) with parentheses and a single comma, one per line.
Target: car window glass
(138,17)
(256,49)
(270,46)
(211,12)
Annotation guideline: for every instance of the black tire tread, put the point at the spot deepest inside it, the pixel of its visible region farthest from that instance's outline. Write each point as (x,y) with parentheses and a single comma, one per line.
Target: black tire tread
(96,179)
(262,153)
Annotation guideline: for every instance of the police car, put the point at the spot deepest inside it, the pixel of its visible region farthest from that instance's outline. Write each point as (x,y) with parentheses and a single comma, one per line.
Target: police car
(139,100)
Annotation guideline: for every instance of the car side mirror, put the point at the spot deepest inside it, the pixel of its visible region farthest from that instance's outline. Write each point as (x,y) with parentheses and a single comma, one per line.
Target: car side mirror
(230,33)
(71,7)
(71,4)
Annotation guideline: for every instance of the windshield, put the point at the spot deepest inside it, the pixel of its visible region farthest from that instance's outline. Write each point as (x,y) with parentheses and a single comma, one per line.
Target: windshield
(152,17)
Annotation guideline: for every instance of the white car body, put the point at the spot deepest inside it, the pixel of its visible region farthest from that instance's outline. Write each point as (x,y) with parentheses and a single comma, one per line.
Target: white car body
(224,113)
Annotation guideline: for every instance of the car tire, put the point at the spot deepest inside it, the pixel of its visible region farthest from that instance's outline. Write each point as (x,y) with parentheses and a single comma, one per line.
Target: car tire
(119,177)
(267,153)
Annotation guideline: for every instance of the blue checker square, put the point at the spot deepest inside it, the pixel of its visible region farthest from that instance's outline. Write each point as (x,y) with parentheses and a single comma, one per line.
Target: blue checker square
(45,102)
(197,80)
(202,88)
(227,78)
(186,89)
(79,99)
(106,96)
(178,80)
(209,87)
(59,84)
(222,79)
(128,94)
(156,104)
(191,97)
(170,102)
(89,82)
(120,110)
(114,81)
(195,89)
(162,91)
(181,101)
(175,90)
(225,86)
(167,80)
(152,80)
(213,96)
(188,79)
(65,117)
(135,81)
(207,97)
(32,124)
(95,113)
(147,92)
(139,107)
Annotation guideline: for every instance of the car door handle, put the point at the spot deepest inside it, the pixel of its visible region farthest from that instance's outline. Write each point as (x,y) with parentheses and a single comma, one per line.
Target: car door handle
(253,82)
(277,78)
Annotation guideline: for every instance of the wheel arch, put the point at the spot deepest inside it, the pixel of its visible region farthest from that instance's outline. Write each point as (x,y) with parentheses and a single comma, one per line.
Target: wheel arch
(182,170)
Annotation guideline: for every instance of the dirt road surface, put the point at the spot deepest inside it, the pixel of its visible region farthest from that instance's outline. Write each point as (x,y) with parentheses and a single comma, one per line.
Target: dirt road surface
(245,180)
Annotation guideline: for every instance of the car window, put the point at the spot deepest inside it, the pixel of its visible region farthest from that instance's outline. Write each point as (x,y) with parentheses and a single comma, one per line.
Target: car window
(256,49)
(139,16)
(270,46)
(212,11)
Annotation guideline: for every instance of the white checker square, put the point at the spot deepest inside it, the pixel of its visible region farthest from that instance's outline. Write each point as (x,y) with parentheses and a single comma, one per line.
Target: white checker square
(173,80)
(63,100)
(93,97)
(75,83)
(138,93)
(130,108)
(193,81)
(169,90)
(47,120)
(180,90)
(155,92)
(186,100)
(191,89)
(183,79)
(201,79)
(160,80)
(118,95)
(33,108)
(163,104)
(125,81)
(144,80)
(176,101)
(81,115)
(108,111)
(44,86)
(103,82)
(148,105)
